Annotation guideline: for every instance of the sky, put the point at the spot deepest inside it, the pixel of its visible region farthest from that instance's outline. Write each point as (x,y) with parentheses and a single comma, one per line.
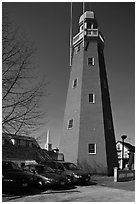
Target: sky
(47,25)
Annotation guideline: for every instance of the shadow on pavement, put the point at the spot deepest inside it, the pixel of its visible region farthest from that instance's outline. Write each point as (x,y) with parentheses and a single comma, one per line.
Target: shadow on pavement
(8,196)
(88,184)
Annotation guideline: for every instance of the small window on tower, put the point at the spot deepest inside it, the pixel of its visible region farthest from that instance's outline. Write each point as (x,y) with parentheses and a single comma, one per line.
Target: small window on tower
(92,148)
(75,82)
(91,61)
(77,49)
(70,124)
(91,98)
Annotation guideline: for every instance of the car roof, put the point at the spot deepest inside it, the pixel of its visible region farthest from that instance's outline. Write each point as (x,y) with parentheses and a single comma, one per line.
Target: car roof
(63,162)
(35,165)
(11,162)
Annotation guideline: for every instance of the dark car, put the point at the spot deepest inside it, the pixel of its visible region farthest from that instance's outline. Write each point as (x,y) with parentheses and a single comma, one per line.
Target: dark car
(13,178)
(46,172)
(70,170)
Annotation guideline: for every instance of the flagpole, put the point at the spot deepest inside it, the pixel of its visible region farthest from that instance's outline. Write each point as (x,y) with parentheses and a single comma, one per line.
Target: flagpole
(70,60)
(83,22)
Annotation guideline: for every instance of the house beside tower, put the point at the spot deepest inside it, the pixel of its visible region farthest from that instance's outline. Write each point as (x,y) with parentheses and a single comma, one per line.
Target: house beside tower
(88,137)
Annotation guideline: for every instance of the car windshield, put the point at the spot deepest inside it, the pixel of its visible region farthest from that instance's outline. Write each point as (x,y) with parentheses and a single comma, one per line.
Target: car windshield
(44,169)
(6,166)
(54,165)
(70,166)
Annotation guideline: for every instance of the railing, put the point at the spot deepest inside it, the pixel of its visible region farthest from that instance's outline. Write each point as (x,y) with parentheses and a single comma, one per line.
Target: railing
(78,37)
(88,33)
(92,32)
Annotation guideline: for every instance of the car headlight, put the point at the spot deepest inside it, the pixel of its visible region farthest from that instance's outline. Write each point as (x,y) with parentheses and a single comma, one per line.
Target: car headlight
(8,180)
(48,179)
(77,176)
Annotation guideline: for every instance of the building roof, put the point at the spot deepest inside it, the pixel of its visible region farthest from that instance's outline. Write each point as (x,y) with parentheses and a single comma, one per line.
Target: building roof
(128,145)
(8,137)
(87,14)
(10,151)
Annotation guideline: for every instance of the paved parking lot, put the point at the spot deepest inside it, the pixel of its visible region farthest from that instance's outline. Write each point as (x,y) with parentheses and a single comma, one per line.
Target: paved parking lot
(99,190)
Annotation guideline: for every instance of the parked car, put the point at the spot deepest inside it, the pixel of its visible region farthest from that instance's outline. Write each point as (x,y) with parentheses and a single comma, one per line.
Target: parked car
(69,169)
(13,178)
(46,172)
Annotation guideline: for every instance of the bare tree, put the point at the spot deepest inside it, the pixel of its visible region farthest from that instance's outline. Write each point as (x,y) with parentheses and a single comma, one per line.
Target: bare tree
(22,90)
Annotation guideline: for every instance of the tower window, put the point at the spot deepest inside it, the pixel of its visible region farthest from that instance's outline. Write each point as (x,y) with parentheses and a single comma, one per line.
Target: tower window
(91,61)
(75,82)
(70,124)
(77,49)
(92,148)
(91,98)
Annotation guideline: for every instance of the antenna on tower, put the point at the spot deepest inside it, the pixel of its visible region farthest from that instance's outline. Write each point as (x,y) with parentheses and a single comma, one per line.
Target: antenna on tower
(83,22)
(70,62)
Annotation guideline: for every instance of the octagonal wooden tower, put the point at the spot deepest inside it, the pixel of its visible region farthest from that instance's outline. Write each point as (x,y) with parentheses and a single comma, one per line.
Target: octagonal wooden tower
(88,134)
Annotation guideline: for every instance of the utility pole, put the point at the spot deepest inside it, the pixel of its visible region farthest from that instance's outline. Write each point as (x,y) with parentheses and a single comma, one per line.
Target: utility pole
(123,137)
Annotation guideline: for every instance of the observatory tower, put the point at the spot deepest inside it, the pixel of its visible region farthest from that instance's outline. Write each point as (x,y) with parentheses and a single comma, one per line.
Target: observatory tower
(88,134)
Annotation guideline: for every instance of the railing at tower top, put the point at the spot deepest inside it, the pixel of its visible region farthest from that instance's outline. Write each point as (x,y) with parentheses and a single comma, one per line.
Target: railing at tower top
(88,33)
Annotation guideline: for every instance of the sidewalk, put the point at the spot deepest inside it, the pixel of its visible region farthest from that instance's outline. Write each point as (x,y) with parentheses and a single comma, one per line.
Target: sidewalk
(108,181)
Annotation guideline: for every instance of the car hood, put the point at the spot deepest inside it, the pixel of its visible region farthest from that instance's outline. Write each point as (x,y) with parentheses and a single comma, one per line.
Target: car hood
(77,172)
(17,175)
(51,176)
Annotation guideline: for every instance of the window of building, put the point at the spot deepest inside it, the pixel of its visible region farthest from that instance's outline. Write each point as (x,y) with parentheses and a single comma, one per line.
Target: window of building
(77,49)
(88,25)
(118,146)
(75,82)
(92,148)
(91,61)
(91,98)
(70,124)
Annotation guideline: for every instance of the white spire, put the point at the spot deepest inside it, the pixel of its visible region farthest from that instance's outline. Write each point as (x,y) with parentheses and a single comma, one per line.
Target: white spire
(48,140)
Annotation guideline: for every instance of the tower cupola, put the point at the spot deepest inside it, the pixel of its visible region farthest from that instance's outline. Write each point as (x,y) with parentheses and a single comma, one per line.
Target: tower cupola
(88,27)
